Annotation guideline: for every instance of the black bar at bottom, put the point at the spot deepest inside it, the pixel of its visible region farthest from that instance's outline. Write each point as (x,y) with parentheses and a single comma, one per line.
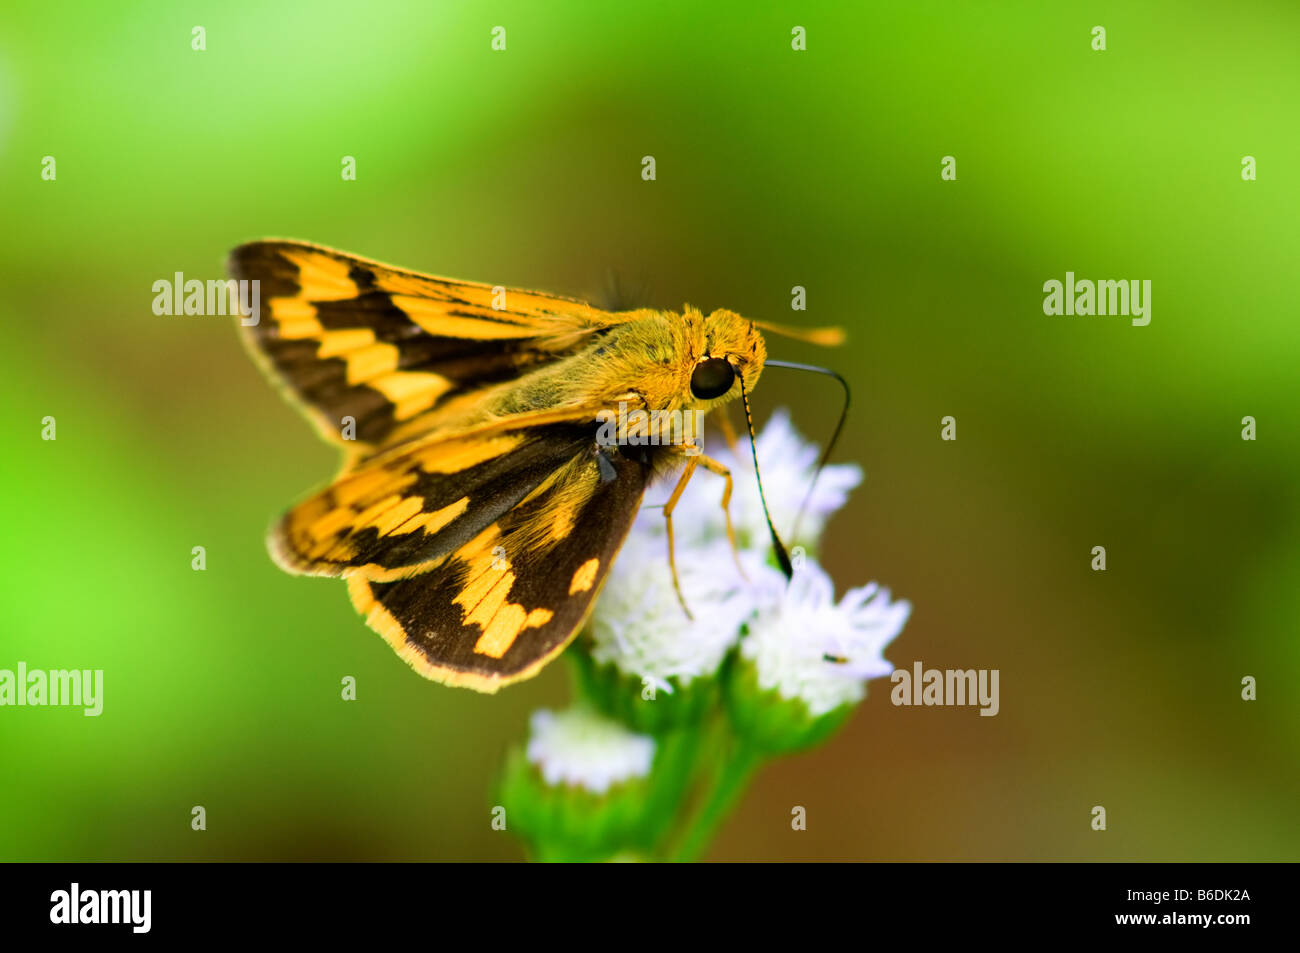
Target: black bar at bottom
(303,902)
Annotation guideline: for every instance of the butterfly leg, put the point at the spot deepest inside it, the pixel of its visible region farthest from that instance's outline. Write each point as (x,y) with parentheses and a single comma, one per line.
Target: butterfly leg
(691,463)
(713,466)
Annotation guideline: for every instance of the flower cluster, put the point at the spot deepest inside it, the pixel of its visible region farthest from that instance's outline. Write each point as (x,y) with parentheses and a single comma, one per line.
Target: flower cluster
(672,702)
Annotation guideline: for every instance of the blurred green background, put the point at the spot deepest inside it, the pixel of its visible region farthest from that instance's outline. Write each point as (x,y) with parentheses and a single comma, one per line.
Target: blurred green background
(775,168)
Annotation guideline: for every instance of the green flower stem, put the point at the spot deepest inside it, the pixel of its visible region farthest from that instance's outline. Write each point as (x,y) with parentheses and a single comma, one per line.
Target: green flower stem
(729,781)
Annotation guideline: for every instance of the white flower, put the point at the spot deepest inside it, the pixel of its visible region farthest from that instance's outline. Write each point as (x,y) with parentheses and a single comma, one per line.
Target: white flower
(787,463)
(805,646)
(638,624)
(583,748)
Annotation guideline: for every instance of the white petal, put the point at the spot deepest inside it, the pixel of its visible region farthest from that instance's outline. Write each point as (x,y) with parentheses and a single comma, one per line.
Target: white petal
(787,463)
(583,748)
(791,638)
(639,624)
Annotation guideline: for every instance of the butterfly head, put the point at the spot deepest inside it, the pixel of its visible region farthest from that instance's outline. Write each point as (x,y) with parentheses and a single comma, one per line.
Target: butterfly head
(728,356)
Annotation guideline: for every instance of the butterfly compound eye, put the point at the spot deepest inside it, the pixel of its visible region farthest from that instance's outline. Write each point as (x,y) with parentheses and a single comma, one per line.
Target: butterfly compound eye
(712,378)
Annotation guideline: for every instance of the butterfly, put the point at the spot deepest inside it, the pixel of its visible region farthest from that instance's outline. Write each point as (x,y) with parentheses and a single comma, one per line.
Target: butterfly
(497,444)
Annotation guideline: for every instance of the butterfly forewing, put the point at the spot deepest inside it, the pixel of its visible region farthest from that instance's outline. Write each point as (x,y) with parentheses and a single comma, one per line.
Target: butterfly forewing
(351,338)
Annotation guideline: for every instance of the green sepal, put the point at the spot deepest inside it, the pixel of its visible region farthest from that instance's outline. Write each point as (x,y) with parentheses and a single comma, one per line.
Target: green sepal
(625,697)
(771,722)
(569,823)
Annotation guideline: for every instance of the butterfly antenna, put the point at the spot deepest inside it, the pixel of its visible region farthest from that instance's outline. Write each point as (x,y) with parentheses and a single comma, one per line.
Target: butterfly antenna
(782,556)
(826,454)
(826,337)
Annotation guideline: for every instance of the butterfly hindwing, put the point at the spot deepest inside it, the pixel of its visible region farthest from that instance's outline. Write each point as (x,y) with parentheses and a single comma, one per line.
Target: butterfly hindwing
(508,601)
(414,505)
(350,337)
